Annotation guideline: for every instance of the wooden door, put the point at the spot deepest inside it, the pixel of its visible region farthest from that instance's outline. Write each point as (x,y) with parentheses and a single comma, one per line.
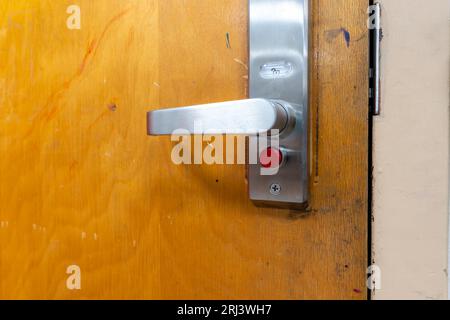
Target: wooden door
(81,184)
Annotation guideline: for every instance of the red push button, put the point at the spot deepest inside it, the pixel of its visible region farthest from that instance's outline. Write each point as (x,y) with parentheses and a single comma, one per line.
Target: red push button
(271,158)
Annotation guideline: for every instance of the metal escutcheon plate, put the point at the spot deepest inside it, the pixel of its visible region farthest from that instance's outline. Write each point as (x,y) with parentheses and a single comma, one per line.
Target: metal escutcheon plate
(279,32)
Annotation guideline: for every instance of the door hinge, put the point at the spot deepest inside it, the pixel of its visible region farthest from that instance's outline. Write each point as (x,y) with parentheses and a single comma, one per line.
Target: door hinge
(376,35)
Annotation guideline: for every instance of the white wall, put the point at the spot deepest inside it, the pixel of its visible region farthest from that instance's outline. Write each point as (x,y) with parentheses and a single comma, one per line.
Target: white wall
(411,151)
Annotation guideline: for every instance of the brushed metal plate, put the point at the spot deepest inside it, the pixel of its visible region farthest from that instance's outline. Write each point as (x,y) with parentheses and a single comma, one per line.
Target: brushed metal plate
(278,63)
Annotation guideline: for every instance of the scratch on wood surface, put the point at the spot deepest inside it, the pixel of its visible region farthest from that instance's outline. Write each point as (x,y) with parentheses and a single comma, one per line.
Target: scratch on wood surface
(112,107)
(102,115)
(108,26)
(241,63)
(334,33)
(37,227)
(228,40)
(51,107)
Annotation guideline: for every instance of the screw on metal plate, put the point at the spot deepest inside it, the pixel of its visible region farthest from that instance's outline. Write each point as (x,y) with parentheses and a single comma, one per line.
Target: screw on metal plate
(275,189)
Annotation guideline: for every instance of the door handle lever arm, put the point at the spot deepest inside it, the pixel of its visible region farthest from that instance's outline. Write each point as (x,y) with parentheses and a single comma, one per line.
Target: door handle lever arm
(248,117)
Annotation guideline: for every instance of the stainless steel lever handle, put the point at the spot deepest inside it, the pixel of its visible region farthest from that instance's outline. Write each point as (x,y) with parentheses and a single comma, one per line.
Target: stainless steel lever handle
(249,117)
(278,72)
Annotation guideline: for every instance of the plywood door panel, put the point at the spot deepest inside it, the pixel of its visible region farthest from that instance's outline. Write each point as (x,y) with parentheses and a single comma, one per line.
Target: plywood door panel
(82,184)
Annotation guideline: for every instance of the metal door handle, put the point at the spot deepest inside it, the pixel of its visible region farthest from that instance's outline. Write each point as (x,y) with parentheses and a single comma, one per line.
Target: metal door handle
(278,72)
(249,117)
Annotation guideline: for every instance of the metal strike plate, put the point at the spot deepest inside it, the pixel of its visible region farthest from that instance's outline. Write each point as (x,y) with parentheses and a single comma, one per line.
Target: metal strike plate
(279,32)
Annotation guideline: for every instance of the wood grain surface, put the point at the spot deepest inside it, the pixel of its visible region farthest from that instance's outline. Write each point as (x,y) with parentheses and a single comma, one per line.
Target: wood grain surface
(82,184)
